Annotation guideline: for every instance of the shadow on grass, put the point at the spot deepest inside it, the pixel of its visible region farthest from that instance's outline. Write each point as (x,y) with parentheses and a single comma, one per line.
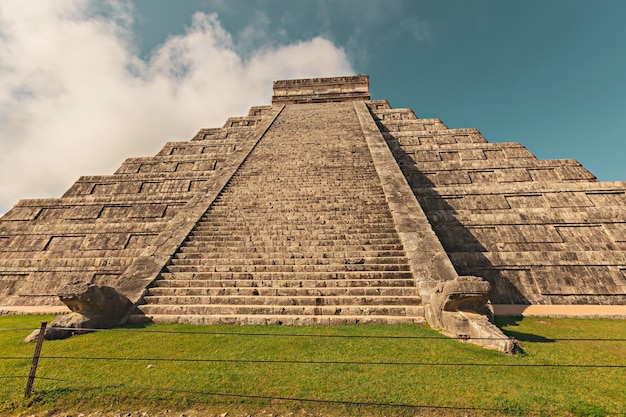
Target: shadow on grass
(502,321)
(135,326)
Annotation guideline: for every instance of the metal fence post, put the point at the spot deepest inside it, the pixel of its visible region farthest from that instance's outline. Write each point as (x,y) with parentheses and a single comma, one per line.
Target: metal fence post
(33,368)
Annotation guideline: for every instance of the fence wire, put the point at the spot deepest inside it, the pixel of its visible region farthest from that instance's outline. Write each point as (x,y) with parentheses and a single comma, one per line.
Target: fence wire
(330,336)
(70,358)
(305,362)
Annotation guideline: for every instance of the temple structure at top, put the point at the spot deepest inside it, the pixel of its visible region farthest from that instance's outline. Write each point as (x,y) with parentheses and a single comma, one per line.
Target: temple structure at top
(321,90)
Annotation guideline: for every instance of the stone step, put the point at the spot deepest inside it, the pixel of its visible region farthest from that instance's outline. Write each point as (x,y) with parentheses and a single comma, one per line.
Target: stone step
(339,205)
(218,249)
(279,245)
(359,239)
(335,184)
(287,320)
(302,234)
(247,255)
(297,206)
(278,310)
(337,209)
(270,220)
(307,284)
(317,260)
(257,300)
(317,213)
(289,276)
(334,217)
(359,190)
(285,291)
(493,165)
(308,171)
(288,268)
(311,285)
(331,188)
(297,225)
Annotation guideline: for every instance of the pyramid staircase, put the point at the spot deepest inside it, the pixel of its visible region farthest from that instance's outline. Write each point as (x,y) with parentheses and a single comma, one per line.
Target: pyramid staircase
(302,234)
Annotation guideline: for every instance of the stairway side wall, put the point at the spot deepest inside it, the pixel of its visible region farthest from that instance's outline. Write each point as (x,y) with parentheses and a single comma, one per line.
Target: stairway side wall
(541,231)
(429,261)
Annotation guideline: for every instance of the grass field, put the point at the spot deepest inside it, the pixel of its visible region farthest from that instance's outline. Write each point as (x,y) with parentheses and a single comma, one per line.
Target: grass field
(345,370)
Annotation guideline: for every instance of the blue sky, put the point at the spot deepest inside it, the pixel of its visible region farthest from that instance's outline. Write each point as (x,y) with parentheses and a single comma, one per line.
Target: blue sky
(96,82)
(550,74)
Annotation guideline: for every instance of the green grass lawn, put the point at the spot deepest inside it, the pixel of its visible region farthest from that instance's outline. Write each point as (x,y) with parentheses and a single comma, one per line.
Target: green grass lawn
(375,368)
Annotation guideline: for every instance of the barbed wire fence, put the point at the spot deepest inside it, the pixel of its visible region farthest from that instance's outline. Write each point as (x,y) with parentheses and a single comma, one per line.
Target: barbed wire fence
(37,356)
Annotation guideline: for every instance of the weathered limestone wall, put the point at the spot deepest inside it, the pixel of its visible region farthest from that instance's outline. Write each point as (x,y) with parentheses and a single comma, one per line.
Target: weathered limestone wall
(544,232)
(429,261)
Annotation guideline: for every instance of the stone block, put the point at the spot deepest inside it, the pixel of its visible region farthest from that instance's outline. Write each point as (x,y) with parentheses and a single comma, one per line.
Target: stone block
(608,198)
(483,177)
(528,233)
(568,199)
(575,172)
(578,280)
(527,201)
(544,174)
(22,214)
(494,154)
(617,231)
(513,175)
(517,151)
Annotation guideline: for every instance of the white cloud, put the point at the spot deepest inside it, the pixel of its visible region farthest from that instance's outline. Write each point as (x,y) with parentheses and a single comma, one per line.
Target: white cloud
(75,99)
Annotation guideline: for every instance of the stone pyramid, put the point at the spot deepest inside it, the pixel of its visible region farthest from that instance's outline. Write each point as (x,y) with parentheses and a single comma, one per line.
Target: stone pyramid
(324,207)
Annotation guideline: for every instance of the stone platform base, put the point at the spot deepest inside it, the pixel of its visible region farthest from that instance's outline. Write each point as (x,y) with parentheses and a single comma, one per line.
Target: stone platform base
(13,310)
(556,311)
(562,311)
